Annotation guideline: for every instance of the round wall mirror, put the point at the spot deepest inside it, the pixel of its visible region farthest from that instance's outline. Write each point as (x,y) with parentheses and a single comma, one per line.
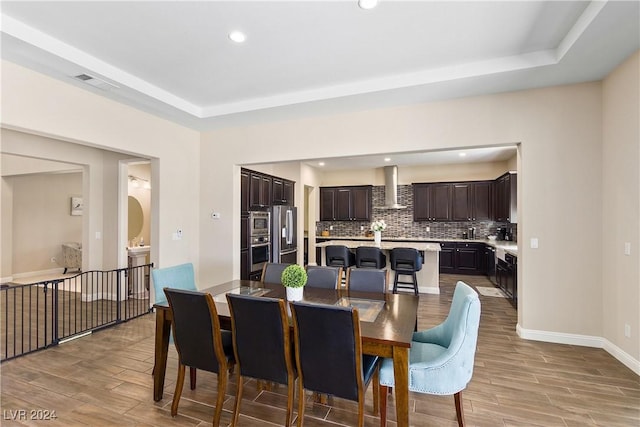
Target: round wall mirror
(136,217)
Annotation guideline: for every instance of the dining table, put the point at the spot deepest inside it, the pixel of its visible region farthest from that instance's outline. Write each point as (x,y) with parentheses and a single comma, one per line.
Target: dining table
(387,323)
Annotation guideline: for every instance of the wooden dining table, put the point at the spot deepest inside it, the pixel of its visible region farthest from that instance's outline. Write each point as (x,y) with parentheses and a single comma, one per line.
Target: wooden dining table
(387,323)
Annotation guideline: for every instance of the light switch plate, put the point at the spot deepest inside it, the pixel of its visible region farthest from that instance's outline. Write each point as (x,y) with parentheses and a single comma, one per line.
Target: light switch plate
(627,248)
(534,243)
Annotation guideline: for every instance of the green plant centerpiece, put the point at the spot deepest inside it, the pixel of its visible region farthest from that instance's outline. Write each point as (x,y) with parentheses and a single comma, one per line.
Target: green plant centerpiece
(294,277)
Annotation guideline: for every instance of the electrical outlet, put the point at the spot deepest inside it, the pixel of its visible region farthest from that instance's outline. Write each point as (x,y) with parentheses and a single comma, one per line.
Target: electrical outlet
(428,229)
(627,330)
(331,227)
(179,233)
(534,243)
(53,259)
(627,248)
(362,228)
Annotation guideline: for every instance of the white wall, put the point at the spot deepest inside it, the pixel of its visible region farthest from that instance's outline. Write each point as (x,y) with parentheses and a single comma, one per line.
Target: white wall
(40,105)
(621,206)
(42,220)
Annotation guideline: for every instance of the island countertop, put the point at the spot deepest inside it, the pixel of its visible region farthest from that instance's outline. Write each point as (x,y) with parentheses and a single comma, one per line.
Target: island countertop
(384,245)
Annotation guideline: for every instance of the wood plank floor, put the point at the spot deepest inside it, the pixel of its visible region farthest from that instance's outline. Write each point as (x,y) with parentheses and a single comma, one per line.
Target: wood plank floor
(105,380)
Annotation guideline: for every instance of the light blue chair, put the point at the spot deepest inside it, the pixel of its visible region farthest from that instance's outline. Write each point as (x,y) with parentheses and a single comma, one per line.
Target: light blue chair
(441,358)
(177,277)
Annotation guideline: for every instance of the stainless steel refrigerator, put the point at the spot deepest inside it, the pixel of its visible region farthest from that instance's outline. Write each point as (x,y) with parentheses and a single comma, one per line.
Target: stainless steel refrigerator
(284,239)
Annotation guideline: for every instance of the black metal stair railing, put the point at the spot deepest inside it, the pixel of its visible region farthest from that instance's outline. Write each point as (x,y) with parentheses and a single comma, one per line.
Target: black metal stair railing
(40,315)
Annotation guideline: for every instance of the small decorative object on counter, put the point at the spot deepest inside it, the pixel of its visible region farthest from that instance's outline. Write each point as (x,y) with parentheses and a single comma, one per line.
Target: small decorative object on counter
(294,277)
(377,227)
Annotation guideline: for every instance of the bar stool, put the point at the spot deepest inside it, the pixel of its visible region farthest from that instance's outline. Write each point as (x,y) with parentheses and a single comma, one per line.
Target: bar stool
(370,257)
(405,261)
(339,256)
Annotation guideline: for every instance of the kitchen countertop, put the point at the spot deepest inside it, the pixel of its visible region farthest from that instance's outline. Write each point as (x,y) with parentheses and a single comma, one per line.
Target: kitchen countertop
(385,244)
(508,246)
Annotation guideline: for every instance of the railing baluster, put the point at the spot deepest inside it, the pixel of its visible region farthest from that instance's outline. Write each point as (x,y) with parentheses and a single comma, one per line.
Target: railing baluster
(37,314)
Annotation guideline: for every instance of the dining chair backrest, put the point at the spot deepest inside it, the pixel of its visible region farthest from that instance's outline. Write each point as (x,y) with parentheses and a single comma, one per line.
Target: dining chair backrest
(324,277)
(200,347)
(272,273)
(261,337)
(328,349)
(367,280)
(175,277)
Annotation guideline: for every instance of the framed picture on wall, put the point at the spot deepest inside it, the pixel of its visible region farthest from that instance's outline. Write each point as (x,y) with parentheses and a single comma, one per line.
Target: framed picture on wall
(76,206)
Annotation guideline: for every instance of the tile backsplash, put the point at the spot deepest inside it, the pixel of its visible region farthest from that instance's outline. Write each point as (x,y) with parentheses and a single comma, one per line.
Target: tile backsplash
(400,222)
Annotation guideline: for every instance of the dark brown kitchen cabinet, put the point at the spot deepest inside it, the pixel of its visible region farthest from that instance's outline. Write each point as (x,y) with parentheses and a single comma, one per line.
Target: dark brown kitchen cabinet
(244,192)
(432,202)
(505,201)
(462,258)
(471,201)
(259,191)
(345,203)
(282,192)
(244,264)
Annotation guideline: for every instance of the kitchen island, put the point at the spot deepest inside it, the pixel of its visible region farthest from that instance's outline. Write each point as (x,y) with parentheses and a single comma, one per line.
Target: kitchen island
(428,277)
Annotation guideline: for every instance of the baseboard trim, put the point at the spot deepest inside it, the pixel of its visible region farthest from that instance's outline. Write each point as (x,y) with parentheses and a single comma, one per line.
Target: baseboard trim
(429,289)
(38,273)
(581,340)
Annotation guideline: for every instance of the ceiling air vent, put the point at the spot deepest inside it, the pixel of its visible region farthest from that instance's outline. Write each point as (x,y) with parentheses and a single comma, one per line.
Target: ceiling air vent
(95,82)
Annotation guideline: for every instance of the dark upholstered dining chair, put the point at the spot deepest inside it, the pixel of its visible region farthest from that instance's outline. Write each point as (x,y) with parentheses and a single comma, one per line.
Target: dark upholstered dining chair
(370,257)
(329,355)
(203,347)
(406,262)
(262,345)
(272,273)
(367,280)
(324,277)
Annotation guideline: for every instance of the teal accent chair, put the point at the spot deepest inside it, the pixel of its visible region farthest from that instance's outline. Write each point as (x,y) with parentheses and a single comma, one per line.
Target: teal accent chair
(176,277)
(441,358)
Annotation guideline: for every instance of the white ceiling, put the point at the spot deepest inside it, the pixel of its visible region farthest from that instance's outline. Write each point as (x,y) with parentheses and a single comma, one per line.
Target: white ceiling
(304,58)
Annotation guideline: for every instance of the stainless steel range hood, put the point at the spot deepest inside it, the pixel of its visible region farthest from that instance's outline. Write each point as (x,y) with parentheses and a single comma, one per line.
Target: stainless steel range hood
(391,189)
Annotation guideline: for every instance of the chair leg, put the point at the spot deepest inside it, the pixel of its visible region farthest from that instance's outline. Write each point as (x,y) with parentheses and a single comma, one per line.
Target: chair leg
(236,405)
(223,376)
(65,271)
(291,394)
(383,405)
(459,412)
(415,283)
(192,378)
(300,403)
(178,391)
(376,391)
(395,283)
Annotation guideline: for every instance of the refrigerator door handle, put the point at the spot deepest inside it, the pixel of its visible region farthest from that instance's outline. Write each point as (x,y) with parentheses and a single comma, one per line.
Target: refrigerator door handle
(289,226)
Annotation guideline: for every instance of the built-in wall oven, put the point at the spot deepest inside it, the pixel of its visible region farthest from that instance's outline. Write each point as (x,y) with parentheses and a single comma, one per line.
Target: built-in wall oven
(259,240)
(259,223)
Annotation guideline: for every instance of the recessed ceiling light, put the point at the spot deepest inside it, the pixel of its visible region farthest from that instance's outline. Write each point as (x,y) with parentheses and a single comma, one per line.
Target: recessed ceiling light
(462,154)
(367,4)
(387,159)
(237,36)
(320,163)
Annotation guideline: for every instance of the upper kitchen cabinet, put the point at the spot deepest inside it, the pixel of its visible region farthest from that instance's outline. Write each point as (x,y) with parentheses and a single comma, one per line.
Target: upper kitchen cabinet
(244,192)
(432,202)
(282,192)
(505,189)
(351,203)
(259,191)
(471,201)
